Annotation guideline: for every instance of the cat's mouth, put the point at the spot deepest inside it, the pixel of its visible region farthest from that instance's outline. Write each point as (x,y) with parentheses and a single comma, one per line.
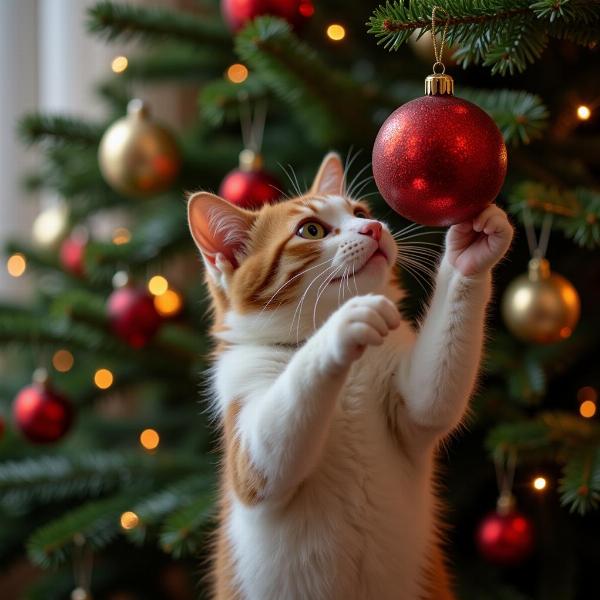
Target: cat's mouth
(377,253)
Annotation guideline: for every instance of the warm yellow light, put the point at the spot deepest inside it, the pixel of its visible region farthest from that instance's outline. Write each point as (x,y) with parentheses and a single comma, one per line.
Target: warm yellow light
(119,64)
(336,32)
(62,361)
(237,73)
(129,520)
(540,483)
(583,112)
(149,439)
(158,285)
(168,304)
(121,235)
(587,409)
(103,378)
(16,265)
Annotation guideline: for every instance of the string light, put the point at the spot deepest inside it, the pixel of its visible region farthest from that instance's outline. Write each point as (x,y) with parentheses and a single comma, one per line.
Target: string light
(237,73)
(158,285)
(129,520)
(587,397)
(16,265)
(587,409)
(119,64)
(62,361)
(540,483)
(168,304)
(121,235)
(583,112)
(149,439)
(103,378)
(336,32)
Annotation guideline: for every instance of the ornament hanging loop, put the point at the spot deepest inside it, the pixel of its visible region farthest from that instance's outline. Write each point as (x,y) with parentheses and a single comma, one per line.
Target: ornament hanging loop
(438,50)
(439,65)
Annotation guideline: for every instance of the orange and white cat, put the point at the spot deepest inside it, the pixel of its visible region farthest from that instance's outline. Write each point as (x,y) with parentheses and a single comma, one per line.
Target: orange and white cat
(332,405)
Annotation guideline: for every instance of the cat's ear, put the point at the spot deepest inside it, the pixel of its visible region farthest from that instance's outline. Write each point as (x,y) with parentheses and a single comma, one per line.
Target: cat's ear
(220,229)
(330,178)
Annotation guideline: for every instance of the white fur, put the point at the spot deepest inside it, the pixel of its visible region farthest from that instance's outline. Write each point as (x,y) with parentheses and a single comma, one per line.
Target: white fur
(348,509)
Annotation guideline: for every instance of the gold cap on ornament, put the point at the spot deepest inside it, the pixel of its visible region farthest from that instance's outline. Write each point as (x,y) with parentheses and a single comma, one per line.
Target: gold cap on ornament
(438,84)
(250,160)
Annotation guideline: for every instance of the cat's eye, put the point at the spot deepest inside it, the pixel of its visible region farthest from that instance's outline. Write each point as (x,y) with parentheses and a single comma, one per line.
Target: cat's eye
(312,230)
(361,214)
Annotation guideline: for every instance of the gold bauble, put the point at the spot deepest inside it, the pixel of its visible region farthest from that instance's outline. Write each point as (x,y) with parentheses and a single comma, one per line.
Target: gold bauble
(139,157)
(541,306)
(51,226)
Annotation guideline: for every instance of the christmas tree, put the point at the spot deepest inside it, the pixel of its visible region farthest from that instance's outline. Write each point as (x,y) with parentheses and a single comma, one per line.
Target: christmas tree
(108,456)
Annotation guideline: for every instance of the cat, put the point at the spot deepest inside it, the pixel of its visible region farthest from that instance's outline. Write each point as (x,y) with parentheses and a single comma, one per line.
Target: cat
(331,404)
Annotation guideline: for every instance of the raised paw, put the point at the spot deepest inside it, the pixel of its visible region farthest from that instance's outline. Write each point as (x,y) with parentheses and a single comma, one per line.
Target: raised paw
(363,321)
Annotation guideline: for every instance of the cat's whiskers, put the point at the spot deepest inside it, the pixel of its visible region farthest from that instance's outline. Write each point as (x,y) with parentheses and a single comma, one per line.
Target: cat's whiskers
(298,311)
(290,281)
(321,290)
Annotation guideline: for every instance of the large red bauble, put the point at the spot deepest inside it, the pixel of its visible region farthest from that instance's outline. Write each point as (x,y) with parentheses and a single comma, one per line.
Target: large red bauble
(439,160)
(505,539)
(72,254)
(41,414)
(250,189)
(132,315)
(238,12)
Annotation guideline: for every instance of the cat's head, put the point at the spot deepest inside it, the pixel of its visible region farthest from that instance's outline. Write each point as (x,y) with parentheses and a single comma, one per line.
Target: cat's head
(277,273)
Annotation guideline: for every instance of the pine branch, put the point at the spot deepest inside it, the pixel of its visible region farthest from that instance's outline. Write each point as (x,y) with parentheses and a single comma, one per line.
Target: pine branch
(178,64)
(505,35)
(580,484)
(296,74)
(181,533)
(38,128)
(96,521)
(219,100)
(51,478)
(576,212)
(124,22)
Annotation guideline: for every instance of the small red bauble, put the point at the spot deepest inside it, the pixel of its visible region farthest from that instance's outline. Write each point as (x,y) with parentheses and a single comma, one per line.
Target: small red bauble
(72,255)
(439,160)
(250,186)
(42,414)
(238,12)
(132,315)
(505,539)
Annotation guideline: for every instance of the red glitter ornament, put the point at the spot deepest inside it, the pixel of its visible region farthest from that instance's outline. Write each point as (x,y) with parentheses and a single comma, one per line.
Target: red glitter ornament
(72,253)
(40,413)
(505,538)
(132,315)
(238,12)
(250,186)
(439,160)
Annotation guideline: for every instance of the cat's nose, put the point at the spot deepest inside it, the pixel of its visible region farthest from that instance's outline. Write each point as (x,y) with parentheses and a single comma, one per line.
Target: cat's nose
(372,229)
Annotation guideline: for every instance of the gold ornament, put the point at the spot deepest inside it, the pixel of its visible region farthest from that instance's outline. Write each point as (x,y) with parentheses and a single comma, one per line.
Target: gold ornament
(51,226)
(541,306)
(139,157)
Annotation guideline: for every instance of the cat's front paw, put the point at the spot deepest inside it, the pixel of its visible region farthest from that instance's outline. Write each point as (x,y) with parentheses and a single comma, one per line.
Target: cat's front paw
(362,321)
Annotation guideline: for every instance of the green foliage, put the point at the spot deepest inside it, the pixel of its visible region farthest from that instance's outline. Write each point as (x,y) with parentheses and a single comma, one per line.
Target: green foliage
(505,35)
(580,485)
(575,212)
(97,522)
(312,89)
(36,128)
(115,21)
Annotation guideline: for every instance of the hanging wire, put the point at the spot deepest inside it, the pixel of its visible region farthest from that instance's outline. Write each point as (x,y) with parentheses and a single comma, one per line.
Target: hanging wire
(537,248)
(252,122)
(438,51)
(505,464)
